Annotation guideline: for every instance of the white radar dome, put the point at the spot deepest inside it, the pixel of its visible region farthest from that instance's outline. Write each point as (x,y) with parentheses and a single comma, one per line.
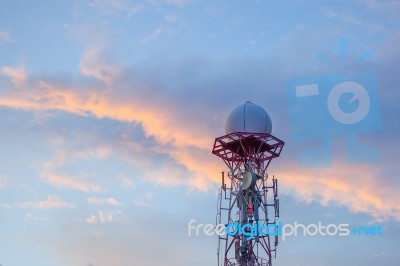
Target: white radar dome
(248,117)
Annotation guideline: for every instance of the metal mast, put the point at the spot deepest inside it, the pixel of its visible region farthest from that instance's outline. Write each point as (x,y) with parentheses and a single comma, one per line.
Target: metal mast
(247,197)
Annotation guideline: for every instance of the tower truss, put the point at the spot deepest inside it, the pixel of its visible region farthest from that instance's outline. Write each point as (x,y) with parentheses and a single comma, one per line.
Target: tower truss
(248,199)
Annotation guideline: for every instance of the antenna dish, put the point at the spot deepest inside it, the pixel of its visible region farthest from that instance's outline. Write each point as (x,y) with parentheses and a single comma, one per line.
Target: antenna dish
(248,117)
(249,180)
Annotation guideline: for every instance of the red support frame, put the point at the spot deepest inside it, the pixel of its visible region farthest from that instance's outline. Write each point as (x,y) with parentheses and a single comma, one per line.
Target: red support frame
(240,146)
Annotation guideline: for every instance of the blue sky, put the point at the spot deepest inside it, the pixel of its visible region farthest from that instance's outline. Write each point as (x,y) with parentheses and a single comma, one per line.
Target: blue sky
(109,110)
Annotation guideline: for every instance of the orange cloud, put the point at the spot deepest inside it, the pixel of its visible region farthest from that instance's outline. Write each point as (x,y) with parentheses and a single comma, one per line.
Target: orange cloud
(186,140)
(356,187)
(165,122)
(77,182)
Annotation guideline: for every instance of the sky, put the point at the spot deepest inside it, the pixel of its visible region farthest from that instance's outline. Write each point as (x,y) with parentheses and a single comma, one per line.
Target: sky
(109,110)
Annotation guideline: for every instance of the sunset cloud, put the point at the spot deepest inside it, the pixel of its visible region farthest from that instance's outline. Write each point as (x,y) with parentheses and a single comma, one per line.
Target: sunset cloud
(77,182)
(358,188)
(166,120)
(109,110)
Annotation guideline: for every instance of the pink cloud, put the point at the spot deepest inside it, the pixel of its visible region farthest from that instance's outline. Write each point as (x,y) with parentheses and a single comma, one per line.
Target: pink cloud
(94,64)
(358,188)
(77,182)
(187,138)
(17,75)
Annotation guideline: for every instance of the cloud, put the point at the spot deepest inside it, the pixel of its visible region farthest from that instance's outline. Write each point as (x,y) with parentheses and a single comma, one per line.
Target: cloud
(72,131)
(171,18)
(3,181)
(52,202)
(92,219)
(350,18)
(177,2)
(98,233)
(94,64)
(179,111)
(110,201)
(116,6)
(16,74)
(127,182)
(144,200)
(30,217)
(380,254)
(357,188)
(5,36)
(162,120)
(153,36)
(77,182)
(103,217)
(141,227)
(382,6)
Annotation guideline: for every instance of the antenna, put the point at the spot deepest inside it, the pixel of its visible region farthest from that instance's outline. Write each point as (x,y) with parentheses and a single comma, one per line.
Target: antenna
(247,150)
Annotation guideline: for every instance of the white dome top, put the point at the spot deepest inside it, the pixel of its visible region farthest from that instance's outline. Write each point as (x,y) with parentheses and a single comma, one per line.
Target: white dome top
(248,117)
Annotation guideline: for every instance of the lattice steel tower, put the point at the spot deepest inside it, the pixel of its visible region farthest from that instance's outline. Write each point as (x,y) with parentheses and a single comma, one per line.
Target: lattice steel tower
(249,198)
